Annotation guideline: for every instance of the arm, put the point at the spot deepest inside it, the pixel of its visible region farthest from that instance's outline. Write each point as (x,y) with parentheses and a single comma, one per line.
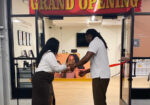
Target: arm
(59,68)
(84,60)
(83,73)
(92,50)
(55,66)
(87,71)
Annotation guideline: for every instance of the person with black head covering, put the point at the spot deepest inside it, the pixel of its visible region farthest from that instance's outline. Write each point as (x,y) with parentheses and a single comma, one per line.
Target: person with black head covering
(99,67)
(47,65)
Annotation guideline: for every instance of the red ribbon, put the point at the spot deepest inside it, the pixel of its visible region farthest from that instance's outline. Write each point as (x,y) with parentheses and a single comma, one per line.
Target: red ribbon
(117,64)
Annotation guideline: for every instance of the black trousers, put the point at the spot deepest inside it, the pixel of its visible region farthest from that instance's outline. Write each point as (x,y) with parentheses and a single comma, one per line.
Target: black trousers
(42,89)
(99,90)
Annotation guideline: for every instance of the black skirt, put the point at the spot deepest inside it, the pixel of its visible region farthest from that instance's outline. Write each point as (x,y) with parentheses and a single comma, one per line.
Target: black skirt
(42,89)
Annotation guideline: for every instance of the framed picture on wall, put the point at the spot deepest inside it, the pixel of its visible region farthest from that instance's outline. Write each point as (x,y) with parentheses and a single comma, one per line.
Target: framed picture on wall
(136,42)
(26,34)
(30,35)
(27,38)
(20,37)
(24,38)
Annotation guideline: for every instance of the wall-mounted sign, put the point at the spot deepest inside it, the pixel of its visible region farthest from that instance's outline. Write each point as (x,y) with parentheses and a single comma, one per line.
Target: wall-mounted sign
(83,7)
(136,42)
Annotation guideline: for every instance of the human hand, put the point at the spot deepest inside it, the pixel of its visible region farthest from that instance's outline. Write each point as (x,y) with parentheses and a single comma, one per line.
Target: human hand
(125,59)
(82,73)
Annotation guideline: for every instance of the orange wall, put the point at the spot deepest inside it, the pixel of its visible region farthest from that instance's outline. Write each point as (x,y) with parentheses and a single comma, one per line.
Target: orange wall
(142,32)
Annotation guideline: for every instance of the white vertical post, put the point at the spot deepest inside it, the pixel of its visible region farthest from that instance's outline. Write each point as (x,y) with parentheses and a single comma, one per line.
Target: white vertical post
(1,73)
(5,86)
(1,76)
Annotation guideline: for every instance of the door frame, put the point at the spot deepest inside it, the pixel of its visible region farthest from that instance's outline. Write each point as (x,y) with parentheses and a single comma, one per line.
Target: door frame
(37,16)
(132,14)
(11,46)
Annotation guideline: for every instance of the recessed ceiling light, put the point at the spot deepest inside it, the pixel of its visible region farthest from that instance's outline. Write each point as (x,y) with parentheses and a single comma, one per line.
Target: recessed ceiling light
(16,21)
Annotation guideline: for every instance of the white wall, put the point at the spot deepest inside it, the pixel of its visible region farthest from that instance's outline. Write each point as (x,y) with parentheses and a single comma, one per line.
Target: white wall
(20,7)
(67,38)
(26,25)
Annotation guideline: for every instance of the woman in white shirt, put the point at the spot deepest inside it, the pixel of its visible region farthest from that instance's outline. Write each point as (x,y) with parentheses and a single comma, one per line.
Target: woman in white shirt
(42,90)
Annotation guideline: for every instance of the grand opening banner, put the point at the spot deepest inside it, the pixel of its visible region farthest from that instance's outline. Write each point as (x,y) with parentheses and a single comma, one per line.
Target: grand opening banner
(83,7)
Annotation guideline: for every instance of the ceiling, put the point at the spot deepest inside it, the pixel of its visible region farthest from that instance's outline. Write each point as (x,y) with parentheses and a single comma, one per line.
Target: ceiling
(84,21)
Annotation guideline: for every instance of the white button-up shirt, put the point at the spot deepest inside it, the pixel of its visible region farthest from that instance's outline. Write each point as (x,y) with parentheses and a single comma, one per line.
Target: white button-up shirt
(49,63)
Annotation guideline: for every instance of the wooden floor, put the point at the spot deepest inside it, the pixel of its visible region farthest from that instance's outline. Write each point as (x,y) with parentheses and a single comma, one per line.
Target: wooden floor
(140,82)
(80,92)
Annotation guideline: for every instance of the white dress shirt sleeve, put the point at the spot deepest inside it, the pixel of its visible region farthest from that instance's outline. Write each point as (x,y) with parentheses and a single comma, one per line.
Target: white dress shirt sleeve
(54,65)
